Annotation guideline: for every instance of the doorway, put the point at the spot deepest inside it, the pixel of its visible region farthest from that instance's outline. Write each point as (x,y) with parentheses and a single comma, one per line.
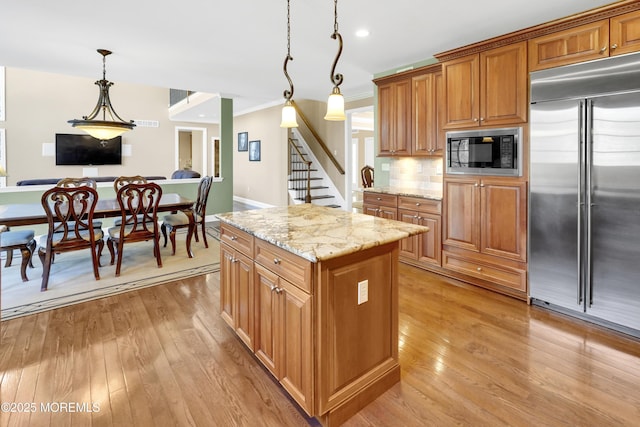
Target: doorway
(191,149)
(359,151)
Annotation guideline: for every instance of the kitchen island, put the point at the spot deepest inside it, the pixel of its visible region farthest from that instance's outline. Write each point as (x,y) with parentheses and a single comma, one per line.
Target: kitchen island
(313,293)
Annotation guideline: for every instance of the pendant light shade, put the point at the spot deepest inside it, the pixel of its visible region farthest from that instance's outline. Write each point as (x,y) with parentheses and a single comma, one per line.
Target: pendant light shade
(288,116)
(288,111)
(335,104)
(102,128)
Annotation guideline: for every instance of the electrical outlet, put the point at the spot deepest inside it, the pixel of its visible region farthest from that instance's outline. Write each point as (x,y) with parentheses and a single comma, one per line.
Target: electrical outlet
(363,292)
(439,169)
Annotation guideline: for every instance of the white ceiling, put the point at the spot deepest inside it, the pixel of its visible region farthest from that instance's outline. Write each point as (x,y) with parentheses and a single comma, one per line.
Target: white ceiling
(236,48)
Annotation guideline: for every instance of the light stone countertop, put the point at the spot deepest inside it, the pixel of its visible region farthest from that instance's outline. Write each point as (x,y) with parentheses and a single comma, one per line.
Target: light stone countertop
(412,192)
(318,233)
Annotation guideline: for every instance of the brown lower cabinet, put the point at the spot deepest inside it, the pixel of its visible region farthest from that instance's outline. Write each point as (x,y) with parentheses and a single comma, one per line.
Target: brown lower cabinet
(303,322)
(479,235)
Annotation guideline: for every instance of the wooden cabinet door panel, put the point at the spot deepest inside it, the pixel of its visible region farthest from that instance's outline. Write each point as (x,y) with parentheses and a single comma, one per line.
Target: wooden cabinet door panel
(424,115)
(409,245)
(402,143)
(462,91)
(583,43)
(266,332)
(244,296)
(440,115)
(429,249)
(296,359)
(624,33)
(503,85)
(462,214)
(227,298)
(386,114)
(504,219)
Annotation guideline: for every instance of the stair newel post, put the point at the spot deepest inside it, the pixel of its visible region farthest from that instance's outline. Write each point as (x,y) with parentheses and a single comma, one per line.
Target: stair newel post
(307,198)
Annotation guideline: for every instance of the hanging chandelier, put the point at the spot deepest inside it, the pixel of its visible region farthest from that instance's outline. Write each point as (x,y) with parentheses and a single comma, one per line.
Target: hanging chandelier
(102,128)
(335,104)
(288,111)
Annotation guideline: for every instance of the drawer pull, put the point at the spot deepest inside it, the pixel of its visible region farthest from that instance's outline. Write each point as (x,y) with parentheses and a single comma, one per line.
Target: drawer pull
(417,203)
(276,261)
(234,238)
(378,198)
(479,269)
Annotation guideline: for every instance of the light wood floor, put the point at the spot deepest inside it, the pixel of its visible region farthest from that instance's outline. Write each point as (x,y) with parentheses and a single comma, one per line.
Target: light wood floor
(162,356)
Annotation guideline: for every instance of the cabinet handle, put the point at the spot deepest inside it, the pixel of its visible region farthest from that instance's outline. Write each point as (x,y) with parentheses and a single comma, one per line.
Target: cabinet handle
(273,288)
(475,119)
(479,269)
(233,238)
(279,290)
(378,198)
(276,261)
(475,185)
(482,119)
(234,260)
(603,50)
(417,203)
(481,185)
(614,46)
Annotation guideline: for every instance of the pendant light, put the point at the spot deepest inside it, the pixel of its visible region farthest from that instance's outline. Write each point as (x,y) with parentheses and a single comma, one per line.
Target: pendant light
(335,104)
(102,128)
(288,111)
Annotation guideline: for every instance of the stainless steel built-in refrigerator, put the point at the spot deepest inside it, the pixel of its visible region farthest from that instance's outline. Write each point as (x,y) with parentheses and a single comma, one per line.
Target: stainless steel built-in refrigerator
(584,217)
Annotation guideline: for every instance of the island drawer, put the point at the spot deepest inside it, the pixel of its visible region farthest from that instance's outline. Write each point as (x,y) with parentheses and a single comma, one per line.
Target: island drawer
(237,239)
(501,275)
(420,204)
(390,200)
(290,267)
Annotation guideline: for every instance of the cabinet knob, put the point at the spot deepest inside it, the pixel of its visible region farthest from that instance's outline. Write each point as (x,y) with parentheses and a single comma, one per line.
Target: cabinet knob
(603,50)
(475,185)
(479,269)
(417,203)
(276,261)
(475,119)
(482,119)
(273,288)
(481,185)
(378,198)
(233,238)
(614,46)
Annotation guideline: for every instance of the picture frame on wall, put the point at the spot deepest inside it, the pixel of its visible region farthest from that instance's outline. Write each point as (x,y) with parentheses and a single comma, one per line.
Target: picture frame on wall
(243,141)
(254,151)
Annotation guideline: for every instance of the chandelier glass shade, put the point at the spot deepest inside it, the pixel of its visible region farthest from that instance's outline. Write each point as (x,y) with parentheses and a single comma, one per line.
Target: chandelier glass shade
(103,122)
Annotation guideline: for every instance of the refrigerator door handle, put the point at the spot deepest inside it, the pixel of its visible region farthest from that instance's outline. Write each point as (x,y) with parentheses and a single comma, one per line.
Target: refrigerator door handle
(581,204)
(588,195)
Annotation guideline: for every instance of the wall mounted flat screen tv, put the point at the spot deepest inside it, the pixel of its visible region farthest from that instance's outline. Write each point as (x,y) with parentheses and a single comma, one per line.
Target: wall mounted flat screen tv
(86,150)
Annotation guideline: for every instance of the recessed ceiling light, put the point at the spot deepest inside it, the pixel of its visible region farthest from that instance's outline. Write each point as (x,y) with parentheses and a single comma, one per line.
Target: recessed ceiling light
(362,33)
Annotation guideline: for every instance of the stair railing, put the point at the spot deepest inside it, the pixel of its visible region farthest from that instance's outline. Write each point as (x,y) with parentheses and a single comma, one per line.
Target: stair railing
(318,139)
(299,174)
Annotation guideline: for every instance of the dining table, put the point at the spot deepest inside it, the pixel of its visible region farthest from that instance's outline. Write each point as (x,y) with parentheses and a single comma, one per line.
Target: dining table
(18,214)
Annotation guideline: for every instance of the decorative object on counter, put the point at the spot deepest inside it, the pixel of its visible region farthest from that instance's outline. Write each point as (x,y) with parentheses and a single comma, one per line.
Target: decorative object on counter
(335,104)
(185,174)
(254,151)
(103,129)
(367,176)
(243,141)
(288,111)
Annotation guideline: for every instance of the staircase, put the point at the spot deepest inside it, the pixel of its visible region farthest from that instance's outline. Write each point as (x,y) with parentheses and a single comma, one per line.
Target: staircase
(308,181)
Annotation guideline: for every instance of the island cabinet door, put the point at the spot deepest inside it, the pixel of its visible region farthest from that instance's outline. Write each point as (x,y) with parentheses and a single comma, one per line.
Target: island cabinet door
(227,307)
(283,334)
(267,340)
(236,293)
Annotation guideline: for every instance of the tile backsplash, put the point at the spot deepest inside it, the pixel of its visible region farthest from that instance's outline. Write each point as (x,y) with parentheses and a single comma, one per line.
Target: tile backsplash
(415,173)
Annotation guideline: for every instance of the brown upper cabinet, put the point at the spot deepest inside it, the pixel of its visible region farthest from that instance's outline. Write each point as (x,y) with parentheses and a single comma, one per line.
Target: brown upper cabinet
(608,37)
(486,89)
(411,113)
(394,108)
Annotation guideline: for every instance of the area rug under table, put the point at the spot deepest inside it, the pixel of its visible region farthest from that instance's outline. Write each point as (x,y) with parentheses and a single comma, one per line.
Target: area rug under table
(71,280)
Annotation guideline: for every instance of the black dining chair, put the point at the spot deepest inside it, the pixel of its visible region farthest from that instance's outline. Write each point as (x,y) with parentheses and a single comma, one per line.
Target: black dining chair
(69,213)
(138,220)
(173,222)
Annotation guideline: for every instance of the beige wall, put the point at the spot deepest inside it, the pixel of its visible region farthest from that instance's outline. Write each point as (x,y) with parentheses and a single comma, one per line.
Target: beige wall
(38,105)
(264,181)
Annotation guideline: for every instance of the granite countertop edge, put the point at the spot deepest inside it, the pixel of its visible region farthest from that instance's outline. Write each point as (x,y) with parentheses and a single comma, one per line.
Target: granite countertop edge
(319,252)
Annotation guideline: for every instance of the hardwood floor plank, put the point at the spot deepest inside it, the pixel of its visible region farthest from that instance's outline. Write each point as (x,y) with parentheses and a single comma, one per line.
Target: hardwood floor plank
(163,356)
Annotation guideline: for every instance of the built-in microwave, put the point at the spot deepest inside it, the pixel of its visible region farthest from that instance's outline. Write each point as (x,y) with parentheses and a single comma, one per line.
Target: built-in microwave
(485,152)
